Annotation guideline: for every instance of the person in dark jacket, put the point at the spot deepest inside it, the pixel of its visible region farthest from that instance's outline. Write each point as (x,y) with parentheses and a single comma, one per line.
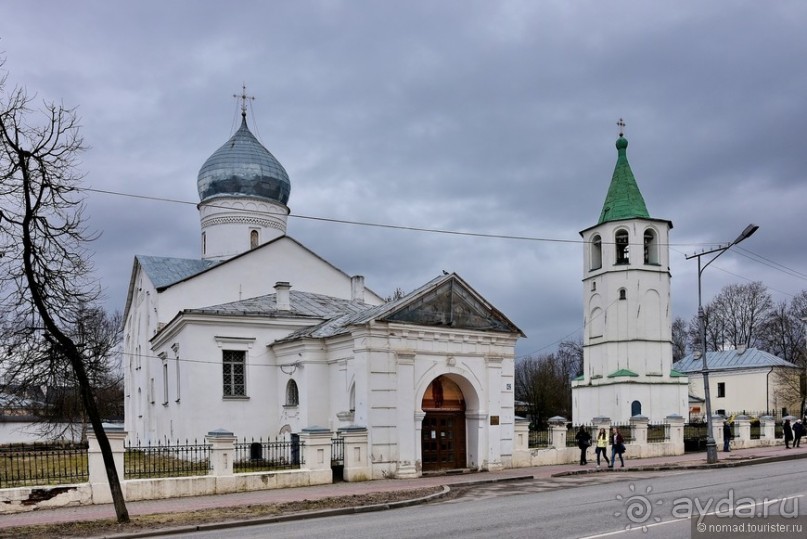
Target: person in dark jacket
(727,436)
(617,447)
(788,433)
(583,441)
(798,432)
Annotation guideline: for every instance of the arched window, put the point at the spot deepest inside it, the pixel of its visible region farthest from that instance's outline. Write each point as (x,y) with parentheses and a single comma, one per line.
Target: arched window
(204,243)
(253,239)
(650,247)
(596,252)
(292,395)
(623,294)
(635,408)
(622,247)
(353,397)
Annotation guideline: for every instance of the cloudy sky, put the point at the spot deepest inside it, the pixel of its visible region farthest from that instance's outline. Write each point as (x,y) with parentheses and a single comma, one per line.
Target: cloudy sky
(469,116)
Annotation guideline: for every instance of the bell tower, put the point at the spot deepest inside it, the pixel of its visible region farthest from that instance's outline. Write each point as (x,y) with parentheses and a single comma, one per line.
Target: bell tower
(627,341)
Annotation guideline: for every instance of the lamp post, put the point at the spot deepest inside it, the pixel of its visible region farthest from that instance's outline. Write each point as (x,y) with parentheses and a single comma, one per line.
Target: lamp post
(711,447)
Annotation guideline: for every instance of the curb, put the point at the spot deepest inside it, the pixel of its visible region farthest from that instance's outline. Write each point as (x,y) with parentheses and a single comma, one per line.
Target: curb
(281,518)
(671,467)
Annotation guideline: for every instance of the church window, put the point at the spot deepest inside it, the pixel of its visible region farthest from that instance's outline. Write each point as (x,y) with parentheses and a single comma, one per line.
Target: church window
(650,247)
(623,294)
(165,377)
(253,239)
(622,247)
(204,243)
(352,397)
(234,365)
(721,389)
(292,394)
(635,408)
(593,286)
(596,252)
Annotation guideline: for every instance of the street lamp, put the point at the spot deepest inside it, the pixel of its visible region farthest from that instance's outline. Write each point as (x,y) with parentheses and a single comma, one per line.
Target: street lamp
(711,447)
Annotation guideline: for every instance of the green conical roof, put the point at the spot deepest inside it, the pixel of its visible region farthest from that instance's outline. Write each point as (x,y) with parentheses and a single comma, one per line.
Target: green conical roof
(624,200)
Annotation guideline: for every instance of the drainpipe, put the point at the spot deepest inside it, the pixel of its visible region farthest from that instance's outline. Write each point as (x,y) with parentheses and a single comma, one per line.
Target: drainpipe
(767,389)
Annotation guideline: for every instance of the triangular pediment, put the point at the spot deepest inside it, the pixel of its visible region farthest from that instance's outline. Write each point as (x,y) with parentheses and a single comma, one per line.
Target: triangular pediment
(451,304)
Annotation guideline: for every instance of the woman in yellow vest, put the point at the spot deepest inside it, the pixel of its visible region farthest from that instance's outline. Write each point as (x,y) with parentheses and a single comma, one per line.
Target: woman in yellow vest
(602,446)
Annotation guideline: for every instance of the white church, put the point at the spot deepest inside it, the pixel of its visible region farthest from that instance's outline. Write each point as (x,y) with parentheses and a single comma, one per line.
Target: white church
(627,339)
(262,337)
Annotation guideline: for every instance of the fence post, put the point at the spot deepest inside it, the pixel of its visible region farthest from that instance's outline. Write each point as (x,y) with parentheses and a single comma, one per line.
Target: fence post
(557,429)
(743,423)
(95,462)
(676,432)
(357,459)
(222,452)
(317,454)
(521,430)
(717,430)
(638,425)
(767,429)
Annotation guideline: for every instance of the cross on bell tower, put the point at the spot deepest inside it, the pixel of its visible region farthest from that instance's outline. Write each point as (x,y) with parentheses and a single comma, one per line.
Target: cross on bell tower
(621,124)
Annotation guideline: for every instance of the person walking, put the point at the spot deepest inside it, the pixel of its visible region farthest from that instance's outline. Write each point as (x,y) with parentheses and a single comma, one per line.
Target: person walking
(617,447)
(602,446)
(788,433)
(727,436)
(583,441)
(798,432)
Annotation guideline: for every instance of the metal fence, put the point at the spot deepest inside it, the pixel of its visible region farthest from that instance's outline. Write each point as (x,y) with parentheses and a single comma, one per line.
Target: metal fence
(658,433)
(337,451)
(259,455)
(540,438)
(695,436)
(626,430)
(166,459)
(24,465)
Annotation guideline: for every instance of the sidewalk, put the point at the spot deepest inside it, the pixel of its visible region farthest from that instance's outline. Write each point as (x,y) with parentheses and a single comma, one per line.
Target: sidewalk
(737,457)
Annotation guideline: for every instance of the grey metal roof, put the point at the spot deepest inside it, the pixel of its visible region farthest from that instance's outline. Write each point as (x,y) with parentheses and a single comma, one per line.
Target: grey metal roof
(341,324)
(730,359)
(305,304)
(165,271)
(243,167)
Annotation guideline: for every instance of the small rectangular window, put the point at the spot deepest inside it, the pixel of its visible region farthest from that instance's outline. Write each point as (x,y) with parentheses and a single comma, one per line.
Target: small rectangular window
(234,371)
(721,389)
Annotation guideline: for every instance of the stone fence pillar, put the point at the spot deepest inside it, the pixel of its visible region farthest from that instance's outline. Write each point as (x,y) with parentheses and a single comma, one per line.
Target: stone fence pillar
(676,433)
(356,458)
(99,482)
(317,454)
(767,429)
(717,430)
(521,433)
(742,431)
(222,452)
(638,425)
(557,431)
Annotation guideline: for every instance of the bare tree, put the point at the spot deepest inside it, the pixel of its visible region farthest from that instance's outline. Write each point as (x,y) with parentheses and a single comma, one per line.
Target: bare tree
(783,336)
(679,338)
(544,381)
(734,318)
(45,269)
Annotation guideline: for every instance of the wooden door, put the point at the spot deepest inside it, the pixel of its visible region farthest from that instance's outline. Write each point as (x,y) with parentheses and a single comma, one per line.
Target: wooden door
(443,441)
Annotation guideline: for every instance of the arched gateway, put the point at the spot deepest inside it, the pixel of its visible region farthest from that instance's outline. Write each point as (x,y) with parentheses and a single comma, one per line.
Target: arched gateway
(443,431)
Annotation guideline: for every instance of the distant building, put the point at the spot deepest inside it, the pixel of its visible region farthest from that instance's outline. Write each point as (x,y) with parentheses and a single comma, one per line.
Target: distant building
(262,337)
(627,341)
(742,381)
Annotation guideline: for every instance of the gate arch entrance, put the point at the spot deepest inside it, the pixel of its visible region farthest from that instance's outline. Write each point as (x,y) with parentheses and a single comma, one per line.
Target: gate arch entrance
(443,428)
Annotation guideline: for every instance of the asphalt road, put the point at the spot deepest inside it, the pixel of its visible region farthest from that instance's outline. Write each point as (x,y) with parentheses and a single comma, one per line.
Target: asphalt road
(592,506)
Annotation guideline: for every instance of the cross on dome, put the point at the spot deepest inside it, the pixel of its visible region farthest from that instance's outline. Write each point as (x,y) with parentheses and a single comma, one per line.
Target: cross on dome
(244,97)
(621,124)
